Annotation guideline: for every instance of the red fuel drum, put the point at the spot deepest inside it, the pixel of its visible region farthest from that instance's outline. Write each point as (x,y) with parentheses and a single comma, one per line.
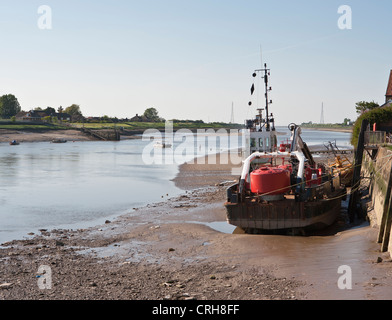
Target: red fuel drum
(286,167)
(271,181)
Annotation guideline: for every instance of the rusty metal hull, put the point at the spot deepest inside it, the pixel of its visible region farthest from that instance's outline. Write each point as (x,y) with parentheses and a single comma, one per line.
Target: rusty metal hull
(284,214)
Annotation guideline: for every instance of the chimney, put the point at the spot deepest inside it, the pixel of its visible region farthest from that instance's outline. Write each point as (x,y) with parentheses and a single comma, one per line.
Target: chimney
(388,95)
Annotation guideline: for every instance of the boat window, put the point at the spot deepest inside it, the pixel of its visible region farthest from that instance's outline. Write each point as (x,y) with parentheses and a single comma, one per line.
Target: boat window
(252,142)
(261,143)
(267,142)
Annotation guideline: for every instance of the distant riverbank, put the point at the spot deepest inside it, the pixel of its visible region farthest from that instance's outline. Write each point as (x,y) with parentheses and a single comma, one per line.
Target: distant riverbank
(329,129)
(43,133)
(43,136)
(39,132)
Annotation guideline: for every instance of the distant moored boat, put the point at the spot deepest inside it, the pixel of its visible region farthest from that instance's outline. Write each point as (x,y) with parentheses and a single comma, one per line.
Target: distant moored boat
(14,143)
(59,141)
(161,144)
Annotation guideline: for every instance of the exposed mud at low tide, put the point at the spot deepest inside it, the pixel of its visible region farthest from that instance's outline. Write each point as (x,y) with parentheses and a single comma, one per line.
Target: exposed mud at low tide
(177,249)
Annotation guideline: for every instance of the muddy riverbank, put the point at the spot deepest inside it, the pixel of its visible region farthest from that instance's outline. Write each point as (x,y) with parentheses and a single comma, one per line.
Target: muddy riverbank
(43,136)
(182,248)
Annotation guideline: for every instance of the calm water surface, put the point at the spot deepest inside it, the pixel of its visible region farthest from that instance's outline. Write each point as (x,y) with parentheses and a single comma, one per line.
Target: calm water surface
(81,184)
(45,185)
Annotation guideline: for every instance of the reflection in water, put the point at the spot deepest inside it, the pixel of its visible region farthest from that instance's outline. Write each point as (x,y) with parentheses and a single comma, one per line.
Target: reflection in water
(7,165)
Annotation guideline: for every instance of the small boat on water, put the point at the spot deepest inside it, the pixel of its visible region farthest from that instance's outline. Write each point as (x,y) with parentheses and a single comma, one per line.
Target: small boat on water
(14,143)
(161,144)
(282,189)
(59,141)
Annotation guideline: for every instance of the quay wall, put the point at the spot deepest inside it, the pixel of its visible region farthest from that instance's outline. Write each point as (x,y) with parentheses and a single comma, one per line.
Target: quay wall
(103,134)
(379,172)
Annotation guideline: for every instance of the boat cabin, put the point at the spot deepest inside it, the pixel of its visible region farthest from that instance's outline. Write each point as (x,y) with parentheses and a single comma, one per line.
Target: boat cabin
(260,135)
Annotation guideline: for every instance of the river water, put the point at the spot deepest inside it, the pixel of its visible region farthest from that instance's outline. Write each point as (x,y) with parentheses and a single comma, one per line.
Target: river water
(81,184)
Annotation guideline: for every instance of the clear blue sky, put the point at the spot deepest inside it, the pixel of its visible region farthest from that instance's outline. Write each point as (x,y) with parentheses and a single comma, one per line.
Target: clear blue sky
(193,59)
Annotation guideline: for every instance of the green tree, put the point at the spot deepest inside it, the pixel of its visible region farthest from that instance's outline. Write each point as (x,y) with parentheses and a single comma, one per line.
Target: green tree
(364,106)
(378,115)
(73,110)
(48,119)
(9,106)
(151,114)
(105,119)
(50,110)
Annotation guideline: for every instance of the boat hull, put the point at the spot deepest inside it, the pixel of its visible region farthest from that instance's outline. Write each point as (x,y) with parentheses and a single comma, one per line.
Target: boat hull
(284,214)
(59,141)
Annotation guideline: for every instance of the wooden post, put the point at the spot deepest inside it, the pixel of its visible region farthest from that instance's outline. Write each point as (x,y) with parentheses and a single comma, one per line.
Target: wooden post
(387,228)
(386,209)
(354,198)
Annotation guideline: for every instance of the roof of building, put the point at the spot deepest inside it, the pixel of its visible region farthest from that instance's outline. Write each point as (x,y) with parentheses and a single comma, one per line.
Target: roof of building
(389,89)
(40,114)
(387,104)
(21,113)
(138,118)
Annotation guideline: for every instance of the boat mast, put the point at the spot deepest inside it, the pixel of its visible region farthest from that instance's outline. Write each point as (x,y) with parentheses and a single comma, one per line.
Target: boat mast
(267,89)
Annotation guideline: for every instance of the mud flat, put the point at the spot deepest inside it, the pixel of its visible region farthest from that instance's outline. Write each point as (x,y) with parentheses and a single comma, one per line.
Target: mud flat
(182,248)
(43,136)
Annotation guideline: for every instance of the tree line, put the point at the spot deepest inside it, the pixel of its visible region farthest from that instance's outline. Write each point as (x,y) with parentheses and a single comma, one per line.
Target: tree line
(10,107)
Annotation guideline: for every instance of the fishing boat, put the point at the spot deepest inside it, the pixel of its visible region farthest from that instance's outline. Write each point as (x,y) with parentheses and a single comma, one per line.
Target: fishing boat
(282,188)
(161,144)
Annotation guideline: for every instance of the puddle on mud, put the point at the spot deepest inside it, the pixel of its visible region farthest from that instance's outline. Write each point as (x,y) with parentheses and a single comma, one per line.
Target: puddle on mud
(220,226)
(129,251)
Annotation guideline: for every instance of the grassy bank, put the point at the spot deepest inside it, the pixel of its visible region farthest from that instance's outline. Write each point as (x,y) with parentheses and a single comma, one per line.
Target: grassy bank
(141,126)
(328,127)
